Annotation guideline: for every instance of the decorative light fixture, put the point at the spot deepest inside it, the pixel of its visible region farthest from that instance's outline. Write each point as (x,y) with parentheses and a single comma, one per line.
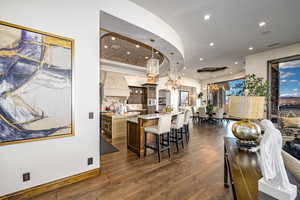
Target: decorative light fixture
(152,65)
(206,17)
(174,81)
(211,44)
(113,38)
(201,59)
(236,62)
(251,48)
(137,46)
(214,87)
(261,24)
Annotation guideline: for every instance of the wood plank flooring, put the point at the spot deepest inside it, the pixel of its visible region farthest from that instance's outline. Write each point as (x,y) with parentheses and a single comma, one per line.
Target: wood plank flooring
(196,172)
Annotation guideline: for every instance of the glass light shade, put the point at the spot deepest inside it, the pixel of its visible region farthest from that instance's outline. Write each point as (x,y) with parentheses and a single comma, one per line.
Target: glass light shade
(152,67)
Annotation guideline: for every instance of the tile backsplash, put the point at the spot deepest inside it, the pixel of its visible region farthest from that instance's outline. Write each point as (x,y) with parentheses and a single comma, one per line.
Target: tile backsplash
(110,101)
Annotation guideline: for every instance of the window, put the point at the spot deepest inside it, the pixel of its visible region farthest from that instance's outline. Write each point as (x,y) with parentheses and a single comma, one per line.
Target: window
(289,86)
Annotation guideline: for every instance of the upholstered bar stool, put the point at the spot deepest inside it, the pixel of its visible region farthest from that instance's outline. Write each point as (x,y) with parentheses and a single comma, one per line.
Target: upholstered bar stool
(186,131)
(177,131)
(162,128)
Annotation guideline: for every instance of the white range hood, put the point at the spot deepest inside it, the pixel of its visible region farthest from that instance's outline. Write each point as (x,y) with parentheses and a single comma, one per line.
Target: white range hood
(115,85)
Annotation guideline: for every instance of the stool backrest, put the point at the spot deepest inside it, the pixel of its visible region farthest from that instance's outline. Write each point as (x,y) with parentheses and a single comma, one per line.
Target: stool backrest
(202,111)
(164,123)
(219,113)
(194,109)
(179,120)
(187,116)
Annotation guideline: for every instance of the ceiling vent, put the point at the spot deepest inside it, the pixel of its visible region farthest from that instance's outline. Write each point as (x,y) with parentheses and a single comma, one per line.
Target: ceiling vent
(211,69)
(266,32)
(273,45)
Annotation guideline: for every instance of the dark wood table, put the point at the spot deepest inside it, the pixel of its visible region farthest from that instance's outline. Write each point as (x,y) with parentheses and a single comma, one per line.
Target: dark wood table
(242,170)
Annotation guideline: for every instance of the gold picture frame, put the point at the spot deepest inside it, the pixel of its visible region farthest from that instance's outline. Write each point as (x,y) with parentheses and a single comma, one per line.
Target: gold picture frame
(36,83)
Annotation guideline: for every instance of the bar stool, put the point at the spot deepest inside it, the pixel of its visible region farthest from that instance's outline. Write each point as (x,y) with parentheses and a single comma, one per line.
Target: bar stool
(186,131)
(177,131)
(163,128)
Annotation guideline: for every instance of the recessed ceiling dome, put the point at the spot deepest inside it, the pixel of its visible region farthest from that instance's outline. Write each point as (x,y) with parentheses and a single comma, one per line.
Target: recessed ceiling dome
(125,50)
(211,69)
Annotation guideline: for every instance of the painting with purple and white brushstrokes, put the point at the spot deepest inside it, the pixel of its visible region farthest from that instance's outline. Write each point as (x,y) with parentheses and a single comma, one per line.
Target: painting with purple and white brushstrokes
(35,85)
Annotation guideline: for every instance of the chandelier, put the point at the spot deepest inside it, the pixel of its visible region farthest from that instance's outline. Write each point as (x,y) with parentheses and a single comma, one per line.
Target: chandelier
(174,81)
(152,65)
(214,87)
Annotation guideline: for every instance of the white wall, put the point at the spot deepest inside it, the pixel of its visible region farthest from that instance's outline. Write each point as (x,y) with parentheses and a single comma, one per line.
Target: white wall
(257,63)
(53,159)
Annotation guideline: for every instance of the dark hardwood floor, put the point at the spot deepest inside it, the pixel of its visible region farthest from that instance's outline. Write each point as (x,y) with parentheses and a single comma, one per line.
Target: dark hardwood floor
(196,172)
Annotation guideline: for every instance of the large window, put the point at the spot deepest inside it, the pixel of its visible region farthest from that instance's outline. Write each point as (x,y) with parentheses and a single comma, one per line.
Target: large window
(289,85)
(284,79)
(236,88)
(219,93)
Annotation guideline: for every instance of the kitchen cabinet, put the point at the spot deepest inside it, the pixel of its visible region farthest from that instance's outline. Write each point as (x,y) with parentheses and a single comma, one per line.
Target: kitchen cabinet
(115,125)
(151,97)
(138,95)
(106,125)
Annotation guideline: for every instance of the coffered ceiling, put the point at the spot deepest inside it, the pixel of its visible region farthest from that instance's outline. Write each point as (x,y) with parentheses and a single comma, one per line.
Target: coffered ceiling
(116,47)
(233,26)
(127,36)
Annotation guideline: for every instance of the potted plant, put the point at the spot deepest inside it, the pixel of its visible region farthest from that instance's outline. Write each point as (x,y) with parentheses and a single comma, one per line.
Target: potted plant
(256,86)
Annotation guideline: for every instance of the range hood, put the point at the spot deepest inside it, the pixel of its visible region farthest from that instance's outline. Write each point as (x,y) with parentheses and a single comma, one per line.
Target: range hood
(115,85)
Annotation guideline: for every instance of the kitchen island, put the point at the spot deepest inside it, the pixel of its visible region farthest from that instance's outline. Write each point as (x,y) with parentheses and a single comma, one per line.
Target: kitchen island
(135,130)
(113,125)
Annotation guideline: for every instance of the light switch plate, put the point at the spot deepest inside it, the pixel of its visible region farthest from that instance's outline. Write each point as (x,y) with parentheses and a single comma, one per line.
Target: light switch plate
(91,115)
(26,177)
(90,161)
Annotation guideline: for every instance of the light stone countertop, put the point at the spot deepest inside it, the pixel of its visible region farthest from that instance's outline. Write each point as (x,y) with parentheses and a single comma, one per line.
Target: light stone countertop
(157,116)
(133,120)
(120,116)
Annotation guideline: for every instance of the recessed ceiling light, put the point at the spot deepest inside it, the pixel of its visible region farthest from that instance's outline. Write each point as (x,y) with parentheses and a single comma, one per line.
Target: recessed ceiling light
(105,46)
(236,62)
(201,59)
(146,57)
(137,46)
(113,38)
(206,17)
(128,52)
(251,48)
(261,24)
(211,44)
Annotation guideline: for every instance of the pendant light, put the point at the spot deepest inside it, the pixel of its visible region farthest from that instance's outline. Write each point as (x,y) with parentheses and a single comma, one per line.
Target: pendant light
(152,64)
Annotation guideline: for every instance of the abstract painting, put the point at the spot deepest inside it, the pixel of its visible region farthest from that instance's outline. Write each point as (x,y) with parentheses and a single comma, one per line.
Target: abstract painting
(35,85)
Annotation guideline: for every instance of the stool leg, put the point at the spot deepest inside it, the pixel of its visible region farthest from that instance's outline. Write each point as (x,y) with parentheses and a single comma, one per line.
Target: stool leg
(145,148)
(188,133)
(177,140)
(181,135)
(158,146)
(169,144)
